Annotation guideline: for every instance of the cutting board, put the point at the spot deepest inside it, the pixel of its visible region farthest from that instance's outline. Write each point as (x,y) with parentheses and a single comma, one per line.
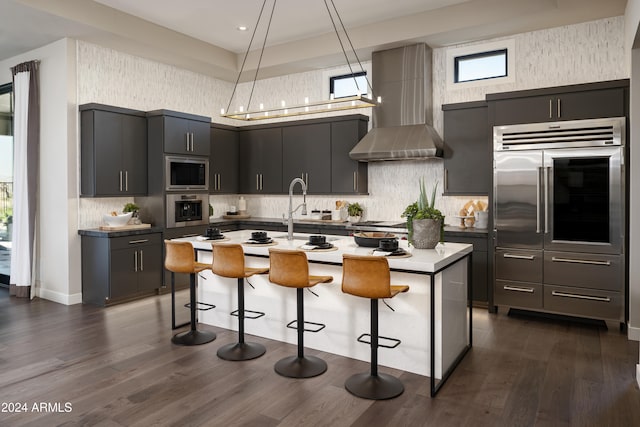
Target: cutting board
(124,227)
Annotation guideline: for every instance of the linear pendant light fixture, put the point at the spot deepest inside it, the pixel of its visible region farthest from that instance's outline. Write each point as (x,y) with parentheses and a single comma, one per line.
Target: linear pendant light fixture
(314,107)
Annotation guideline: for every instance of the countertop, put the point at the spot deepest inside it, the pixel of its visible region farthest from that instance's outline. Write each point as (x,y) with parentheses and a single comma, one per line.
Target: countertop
(421,260)
(97,232)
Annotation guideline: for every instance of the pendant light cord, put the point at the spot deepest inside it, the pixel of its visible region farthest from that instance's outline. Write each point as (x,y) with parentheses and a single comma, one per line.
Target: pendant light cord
(264,43)
(350,44)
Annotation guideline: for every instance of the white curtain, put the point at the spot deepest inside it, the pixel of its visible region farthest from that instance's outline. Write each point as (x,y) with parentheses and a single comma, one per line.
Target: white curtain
(25,169)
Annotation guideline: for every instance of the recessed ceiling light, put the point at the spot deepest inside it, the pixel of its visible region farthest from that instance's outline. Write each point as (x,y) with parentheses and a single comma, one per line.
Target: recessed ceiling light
(242,28)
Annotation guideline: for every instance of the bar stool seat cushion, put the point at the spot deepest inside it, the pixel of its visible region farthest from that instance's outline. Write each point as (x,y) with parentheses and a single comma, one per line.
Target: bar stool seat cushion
(292,270)
(369,277)
(232,263)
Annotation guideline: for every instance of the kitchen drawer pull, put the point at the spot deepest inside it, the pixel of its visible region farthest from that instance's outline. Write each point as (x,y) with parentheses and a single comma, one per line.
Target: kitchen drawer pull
(133,242)
(527,257)
(517,289)
(581,261)
(578,296)
(135,261)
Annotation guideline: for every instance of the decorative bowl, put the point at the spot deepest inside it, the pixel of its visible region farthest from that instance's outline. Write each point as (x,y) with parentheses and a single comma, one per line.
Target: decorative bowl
(117,220)
(371,239)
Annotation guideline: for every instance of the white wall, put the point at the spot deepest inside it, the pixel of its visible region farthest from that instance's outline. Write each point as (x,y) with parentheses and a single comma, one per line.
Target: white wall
(58,246)
(632,47)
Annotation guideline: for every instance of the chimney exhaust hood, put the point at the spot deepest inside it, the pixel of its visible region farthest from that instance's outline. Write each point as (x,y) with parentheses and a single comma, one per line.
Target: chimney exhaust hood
(402,122)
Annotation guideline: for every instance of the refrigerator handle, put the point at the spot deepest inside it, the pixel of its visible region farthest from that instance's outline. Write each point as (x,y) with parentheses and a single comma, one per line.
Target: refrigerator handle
(547,171)
(538,200)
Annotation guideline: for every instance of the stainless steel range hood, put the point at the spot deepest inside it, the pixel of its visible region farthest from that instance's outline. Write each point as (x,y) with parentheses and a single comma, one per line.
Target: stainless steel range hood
(402,122)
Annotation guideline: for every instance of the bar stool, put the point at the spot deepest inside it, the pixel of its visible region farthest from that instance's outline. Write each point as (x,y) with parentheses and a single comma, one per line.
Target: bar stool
(369,277)
(228,261)
(290,268)
(180,258)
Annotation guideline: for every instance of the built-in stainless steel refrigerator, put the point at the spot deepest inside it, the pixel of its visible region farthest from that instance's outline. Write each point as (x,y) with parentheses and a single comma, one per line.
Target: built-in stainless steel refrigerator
(559,215)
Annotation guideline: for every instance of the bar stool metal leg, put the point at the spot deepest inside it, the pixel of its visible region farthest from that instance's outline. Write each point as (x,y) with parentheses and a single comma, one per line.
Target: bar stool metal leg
(241,350)
(193,336)
(300,366)
(374,385)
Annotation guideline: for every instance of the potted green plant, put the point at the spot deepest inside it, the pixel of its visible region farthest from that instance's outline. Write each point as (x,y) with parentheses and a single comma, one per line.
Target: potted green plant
(425,223)
(355,211)
(134,209)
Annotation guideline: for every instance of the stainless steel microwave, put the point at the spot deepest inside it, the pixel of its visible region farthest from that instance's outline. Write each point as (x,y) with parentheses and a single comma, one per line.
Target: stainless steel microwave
(186,173)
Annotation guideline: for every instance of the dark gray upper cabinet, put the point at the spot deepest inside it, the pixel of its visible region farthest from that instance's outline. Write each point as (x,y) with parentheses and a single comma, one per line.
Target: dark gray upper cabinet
(467,149)
(585,101)
(261,160)
(113,151)
(223,161)
(182,133)
(306,154)
(348,176)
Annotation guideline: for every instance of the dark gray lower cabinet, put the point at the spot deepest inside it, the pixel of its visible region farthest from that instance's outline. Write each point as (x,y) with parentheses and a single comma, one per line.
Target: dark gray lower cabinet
(115,269)
(479,265)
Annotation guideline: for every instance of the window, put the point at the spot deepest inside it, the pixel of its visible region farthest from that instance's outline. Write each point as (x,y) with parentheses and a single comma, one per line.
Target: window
(348,85)
(484,64)
(480,66)
(6,180)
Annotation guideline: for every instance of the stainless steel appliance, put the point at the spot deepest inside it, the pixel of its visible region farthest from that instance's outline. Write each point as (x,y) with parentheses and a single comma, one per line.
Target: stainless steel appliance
(187,209)
(186,173)
(559,217)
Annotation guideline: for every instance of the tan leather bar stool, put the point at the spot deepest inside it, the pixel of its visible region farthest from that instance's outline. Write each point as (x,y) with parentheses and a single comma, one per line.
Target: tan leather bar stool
(180,257)
(290,268)
(228,261)
(369,277)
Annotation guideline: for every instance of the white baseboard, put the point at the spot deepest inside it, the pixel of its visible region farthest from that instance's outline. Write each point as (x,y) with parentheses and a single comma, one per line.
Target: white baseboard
(59,297)
(633,333)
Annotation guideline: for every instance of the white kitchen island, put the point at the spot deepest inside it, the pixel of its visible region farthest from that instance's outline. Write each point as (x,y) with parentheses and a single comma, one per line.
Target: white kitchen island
(435,332)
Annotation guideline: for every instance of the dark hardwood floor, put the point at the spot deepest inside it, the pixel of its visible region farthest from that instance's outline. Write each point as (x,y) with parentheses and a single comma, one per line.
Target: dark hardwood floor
(117,367)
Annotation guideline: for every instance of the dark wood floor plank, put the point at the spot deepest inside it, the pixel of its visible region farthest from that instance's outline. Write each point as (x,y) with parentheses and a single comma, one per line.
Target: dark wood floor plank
(117,366)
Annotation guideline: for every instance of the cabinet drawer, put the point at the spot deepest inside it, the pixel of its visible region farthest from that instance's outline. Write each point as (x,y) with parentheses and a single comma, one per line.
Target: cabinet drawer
(517,294)
(136,240)
(583,302)
(519,265)
(583,270)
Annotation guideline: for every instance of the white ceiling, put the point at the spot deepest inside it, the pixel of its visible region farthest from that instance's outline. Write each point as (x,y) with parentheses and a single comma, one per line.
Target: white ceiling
(201,35)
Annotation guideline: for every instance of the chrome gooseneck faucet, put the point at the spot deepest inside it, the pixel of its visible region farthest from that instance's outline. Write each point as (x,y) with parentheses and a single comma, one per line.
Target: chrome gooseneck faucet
(289,220)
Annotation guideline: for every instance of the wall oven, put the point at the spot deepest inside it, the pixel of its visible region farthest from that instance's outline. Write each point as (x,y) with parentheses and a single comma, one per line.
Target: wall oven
(187,209)
(186,173)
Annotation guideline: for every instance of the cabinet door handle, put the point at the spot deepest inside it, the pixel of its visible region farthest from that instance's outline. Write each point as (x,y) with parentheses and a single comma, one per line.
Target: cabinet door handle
(355,181)
(551,108)
(527,257)
(133,242)
(306,179)
(219,182)
(446,179)
(257,181)
(186,140)
(578,296)
(518,289)
(135,261)
(559,108)
(120,180)
(141,260)
(581,261)
(261,183)
(126,180)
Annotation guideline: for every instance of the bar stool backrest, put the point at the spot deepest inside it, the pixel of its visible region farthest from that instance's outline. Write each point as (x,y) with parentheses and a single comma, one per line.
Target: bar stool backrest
(288,268)
(179,257)
(228,260)
(366,276)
